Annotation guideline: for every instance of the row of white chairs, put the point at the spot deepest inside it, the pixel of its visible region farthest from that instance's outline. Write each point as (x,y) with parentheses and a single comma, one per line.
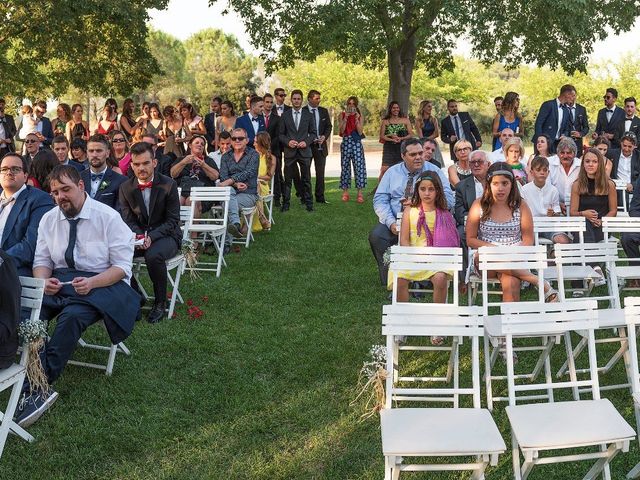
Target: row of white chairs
(536,428)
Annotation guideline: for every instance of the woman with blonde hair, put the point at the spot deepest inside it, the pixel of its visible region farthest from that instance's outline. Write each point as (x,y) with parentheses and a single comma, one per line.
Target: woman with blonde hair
(461,168)
(266,170)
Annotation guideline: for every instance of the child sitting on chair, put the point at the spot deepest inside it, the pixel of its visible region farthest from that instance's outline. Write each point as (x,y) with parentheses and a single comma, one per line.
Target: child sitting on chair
(427,223)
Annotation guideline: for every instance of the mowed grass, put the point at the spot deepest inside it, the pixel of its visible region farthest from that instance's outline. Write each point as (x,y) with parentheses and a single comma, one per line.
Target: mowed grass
(259,387)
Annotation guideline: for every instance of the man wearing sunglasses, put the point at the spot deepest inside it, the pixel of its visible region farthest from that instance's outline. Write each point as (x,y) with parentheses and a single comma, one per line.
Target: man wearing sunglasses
(280,107)
(21,208)
(7,130)
(32,146)
(609,118)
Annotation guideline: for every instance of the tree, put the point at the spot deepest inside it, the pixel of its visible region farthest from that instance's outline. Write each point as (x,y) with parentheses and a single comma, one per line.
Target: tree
(95,45)
(403,34)
(218,65)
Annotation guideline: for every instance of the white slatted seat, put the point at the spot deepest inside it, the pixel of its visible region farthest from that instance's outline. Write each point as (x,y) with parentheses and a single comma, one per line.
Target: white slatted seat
(247,215)
(211,230)
(572,263)
(267,201)
(621,187)
(538,428)
(13,376)
(557,225)
(620,225)
(437,432)
(632,318)
(177,265)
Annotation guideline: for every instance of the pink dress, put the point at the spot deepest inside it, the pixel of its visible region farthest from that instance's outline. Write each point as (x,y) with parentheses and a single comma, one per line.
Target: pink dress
(124,163)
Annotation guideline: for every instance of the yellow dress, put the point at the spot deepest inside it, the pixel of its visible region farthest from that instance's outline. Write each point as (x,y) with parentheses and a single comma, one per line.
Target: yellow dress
(416,240)
(263,190)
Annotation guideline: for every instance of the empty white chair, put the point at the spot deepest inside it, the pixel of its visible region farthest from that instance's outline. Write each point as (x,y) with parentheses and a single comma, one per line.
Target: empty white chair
(556,225)
(572,263)
(613,225)
(437,432)
(632,317)
(621,188)
(541,427)
(13,376)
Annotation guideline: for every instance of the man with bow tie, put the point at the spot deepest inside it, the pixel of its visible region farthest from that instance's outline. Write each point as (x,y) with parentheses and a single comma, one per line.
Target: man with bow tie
(252,122)
(150,205)
(101,183)
(631,121)
(609,118)
(7,131)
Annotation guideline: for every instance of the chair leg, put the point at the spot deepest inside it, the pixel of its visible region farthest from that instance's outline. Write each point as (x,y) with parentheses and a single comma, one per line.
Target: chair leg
(487,371)
(174,292)
(635,472)
(7,418)
(515,456)
(112,359)
(602,465)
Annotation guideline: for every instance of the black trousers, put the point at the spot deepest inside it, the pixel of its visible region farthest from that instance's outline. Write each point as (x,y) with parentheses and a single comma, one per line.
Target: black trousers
(155,257)
(298,167)
(631,245)
(381,238)
(319,153)
(278,185)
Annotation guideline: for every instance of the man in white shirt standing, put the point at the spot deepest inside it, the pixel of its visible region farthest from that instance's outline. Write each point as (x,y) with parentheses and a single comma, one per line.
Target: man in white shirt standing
(84,253)
(564,168)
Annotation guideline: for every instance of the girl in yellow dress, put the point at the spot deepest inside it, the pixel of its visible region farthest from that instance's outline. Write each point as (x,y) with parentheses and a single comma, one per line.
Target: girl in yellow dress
(266,170)
(426,222)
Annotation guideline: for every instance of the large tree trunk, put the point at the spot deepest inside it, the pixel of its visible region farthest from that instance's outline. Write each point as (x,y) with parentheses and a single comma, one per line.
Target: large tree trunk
(401,61)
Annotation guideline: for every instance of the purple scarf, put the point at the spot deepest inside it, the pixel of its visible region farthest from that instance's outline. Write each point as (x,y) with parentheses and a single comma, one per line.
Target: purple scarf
(445,233)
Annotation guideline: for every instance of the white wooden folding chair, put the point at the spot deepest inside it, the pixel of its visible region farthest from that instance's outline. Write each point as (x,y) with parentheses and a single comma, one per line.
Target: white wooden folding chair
(211,230)
(558,425)
(557,224)
(416,259)
(621,225)
(632,318)
(572,263)
(267,201)
(13,376)
(247,215)
(437,432)
(621,187)
(175,267)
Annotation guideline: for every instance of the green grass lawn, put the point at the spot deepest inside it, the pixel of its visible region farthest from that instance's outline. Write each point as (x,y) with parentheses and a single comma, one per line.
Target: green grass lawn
(257,388)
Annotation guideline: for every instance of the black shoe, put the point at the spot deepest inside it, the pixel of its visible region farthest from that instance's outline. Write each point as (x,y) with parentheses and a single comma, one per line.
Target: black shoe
(157,313)
(276,203)
(284,207)
(234,230)
(309,208)
(324,202)
(33,407)
(301,201)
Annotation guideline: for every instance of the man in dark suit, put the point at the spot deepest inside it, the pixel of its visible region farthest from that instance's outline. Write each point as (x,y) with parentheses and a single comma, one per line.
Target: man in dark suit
(7,131)
(272,125)
(150,206)
(625,162)
(60,147)
(553,116)
(101,182)
(577,121)
(631,122)
(32,146)
(631,241)
(210,122)
(297,133)
(319,148)
(165,162)
(21,208)
(252,122)
(459,126)
(280,107)
(609,118)
(9,310)
(45,130)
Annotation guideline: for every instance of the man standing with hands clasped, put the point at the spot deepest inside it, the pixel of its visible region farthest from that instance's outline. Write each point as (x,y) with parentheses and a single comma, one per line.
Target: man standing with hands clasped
(459,126)
(319,148)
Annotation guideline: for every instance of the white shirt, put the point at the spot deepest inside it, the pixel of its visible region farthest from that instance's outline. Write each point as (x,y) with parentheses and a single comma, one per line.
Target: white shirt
(562,180)
(103,240)
(479,187)
(255,124)
(497,156)
(297,115)
(560,117)
(146,195)
(96,183)
(217,158)
(280,109)
(624,168)
(608,113)
(627,124)
(7,209)
(539,199)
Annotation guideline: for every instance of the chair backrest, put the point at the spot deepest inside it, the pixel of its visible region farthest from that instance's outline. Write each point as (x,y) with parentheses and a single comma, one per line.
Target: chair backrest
(583,254)
(550,319)
(435,259)
(621,186)
(425,320)
(500,257)
(31,300)
(559,224)
(632,317)
(220,195)
(611,225)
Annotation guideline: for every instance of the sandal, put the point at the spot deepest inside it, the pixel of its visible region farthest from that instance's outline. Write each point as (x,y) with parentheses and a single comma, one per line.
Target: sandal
(437,341)
(551,296)
(360,198)
(345,197)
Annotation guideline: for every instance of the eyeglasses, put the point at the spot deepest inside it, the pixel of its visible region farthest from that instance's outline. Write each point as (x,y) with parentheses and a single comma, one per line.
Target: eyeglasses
(118,140)
(12,170)
(237,139)
(31,141)
(463,149)
(476,162)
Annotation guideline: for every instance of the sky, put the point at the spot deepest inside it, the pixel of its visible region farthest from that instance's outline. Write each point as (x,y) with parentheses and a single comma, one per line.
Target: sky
(181,22)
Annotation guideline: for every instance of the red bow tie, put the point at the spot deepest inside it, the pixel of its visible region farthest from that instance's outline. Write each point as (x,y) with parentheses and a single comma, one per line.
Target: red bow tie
(143,186)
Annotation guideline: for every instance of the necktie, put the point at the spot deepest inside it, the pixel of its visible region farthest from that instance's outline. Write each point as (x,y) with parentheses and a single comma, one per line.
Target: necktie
(143,186)
(266,120)
(408,190)
(4,203)
(96,176)
(313,110)
(73,234)
(296,119)
(456,126)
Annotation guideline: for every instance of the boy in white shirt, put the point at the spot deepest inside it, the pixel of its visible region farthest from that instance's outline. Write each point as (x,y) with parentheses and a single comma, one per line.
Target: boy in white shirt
(543,198)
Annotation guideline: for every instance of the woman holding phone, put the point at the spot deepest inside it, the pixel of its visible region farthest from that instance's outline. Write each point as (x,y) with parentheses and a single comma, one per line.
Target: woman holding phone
(351,151)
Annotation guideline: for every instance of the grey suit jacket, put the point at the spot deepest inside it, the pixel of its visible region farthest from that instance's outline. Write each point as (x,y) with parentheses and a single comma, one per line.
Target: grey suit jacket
(465,196)
(306,132)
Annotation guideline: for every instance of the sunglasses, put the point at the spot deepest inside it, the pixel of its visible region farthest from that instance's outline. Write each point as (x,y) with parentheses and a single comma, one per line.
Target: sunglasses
(31,141)
(237,139)
(118,140)
(282,95)
(476,162)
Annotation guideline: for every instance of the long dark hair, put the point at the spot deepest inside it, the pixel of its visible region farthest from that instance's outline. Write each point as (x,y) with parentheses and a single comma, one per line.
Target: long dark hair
(434,178)
(487,200)
(389,107)
(549,144)
(602,181)
(43,163)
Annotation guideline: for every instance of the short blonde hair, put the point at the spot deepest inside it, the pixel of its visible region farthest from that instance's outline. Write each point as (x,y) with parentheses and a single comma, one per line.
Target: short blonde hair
(511,142)
(461,143)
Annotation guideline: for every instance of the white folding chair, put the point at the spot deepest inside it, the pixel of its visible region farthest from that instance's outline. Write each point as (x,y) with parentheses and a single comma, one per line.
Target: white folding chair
(621,225)
(13,376)
(267,201)
(621,187)
(177,265)
(212,229)
(559,425)
(632,317)
(247,217)
(572,263)
(437,432)
(557,224)
(416,259)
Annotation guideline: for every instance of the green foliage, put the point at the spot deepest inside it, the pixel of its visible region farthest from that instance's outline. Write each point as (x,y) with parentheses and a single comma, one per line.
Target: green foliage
(95,45)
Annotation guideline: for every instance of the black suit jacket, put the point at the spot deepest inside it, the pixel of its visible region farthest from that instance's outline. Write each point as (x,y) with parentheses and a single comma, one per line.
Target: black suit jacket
(163,220)
(210,127)
(325,126)
(465,196)
(306,132)
(272,123)
(547,120)
(612,126)
(580,123)
(634,128)
(614,155)
(9,310)
(634,206)
(275,109)
(10,133)
(109,194)
(471,132)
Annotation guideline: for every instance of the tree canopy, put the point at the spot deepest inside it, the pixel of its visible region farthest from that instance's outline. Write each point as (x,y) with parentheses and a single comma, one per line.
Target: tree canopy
(94,45)
(401,35)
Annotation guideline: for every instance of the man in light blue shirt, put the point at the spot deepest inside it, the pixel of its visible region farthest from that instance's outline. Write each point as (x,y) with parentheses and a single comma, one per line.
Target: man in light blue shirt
(394,188)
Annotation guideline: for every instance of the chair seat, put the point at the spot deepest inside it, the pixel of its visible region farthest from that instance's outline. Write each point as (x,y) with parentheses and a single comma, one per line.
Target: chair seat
(209,228)
(171,263)
(7,375)
(636,397)
(572,272)
(611,318)
(567,424)
(439,431)
(628,271)
(248,210)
